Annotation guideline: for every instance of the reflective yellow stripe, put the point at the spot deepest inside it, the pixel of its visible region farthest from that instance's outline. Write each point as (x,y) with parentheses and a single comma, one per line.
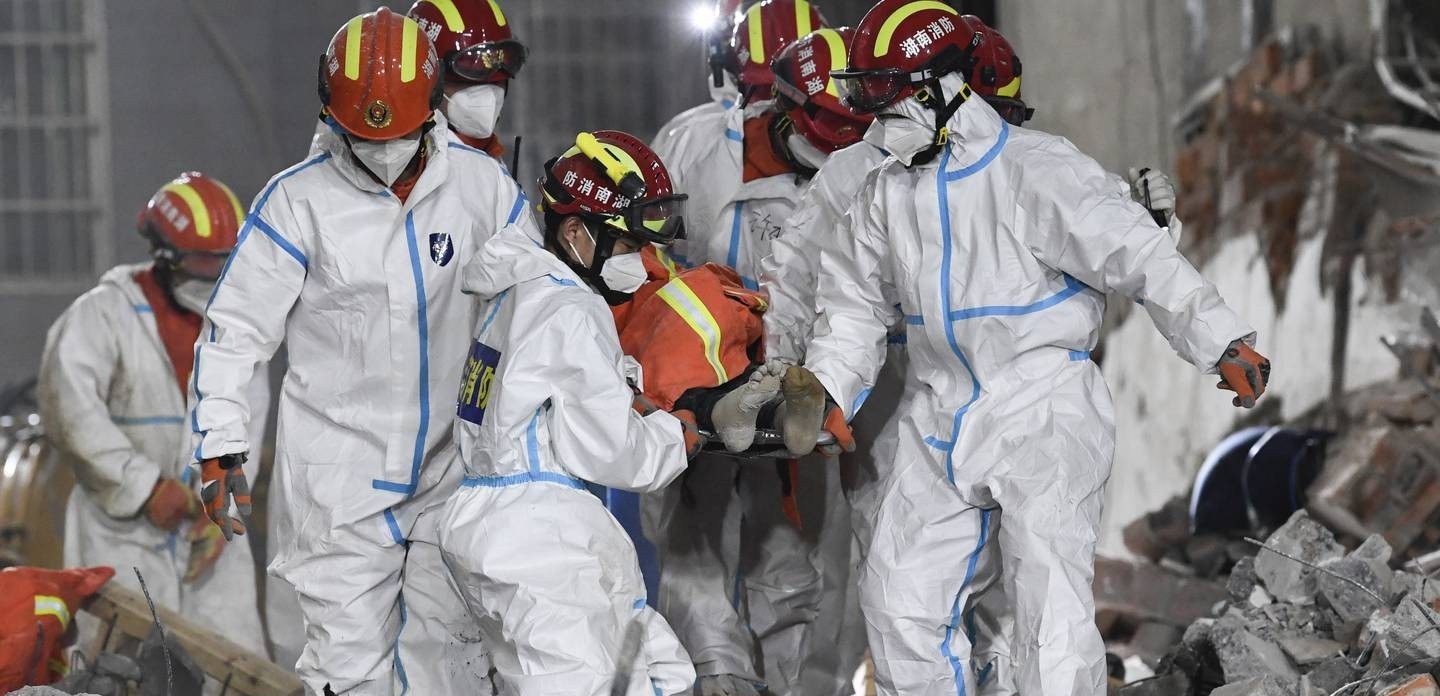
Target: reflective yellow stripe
(454,21)
(887,30)
(408,36)
(499,16)
(802,18)
(667,262)
(1011,89)
(352,48)
(688,305)
(757,35)
(47,605)
(836,42)
(199,215)
(239,211)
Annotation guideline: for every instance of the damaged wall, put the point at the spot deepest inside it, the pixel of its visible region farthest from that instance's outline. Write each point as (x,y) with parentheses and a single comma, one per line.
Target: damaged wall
(1323,251)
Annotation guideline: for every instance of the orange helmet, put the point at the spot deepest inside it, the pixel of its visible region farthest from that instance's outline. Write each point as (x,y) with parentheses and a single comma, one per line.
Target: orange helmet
(761,33)
(473,39)
(380,78)
(192,224)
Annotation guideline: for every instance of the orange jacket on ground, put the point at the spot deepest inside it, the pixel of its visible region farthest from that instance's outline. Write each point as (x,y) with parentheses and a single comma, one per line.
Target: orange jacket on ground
(36,607)
(688,328)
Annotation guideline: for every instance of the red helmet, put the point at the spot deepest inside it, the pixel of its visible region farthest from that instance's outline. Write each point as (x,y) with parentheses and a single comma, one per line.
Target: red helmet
(192,224)
(900,45)
(994,72)
(805,90)
(380,78)
(472,38)
(763,31)
(616,179)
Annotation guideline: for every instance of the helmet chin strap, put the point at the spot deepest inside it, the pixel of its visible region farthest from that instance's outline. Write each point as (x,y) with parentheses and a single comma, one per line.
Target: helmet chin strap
(930,96)
(780,129)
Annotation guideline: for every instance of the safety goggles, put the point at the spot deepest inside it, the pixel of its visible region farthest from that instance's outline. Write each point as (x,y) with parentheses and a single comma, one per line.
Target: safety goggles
(486,62)
(659,220)
(868,91)
(1012,110)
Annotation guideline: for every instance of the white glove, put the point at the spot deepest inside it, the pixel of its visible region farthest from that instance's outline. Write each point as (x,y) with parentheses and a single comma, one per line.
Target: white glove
(1152,189)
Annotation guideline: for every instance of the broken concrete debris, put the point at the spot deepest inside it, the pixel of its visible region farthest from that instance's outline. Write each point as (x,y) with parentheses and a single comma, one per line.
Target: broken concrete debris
(1302,617)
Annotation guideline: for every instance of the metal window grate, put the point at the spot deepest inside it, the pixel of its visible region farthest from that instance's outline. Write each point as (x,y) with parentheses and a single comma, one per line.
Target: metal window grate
(54,145)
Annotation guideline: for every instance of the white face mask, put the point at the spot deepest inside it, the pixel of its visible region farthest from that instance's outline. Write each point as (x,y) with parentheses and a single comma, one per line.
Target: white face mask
(624,273)
(386,159)
(474,110)
(906,129)
(808,154)
(193,294)
(875,134)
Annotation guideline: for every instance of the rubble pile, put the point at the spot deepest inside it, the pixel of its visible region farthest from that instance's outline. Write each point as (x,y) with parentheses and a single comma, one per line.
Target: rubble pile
(1335,600)
(1306,617)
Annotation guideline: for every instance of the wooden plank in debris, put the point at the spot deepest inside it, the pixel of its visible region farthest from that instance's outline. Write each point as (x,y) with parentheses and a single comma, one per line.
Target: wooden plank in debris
(250,674)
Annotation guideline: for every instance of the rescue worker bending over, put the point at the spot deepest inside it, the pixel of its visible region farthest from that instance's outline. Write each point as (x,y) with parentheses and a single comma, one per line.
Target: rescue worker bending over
(546,409)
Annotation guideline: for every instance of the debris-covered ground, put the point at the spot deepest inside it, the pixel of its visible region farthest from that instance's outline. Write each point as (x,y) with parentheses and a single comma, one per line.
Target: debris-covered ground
(1336,599)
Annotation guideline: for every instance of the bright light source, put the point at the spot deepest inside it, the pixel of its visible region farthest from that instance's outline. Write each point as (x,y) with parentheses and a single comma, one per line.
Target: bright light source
(703,17)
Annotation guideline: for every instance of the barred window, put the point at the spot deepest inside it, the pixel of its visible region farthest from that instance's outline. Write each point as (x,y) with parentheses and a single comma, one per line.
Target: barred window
(54,144)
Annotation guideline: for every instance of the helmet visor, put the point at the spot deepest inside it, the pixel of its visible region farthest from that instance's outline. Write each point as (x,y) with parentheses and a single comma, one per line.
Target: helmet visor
(1012,110)
(488,62)
(660,220)
(868,91)
(205,265)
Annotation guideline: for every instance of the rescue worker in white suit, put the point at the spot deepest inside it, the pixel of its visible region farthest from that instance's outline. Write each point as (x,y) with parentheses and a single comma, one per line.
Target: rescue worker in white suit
(545,410)
(353,259)
(736,578)
(788,274)
(112,389)
(995,243)
(720,72)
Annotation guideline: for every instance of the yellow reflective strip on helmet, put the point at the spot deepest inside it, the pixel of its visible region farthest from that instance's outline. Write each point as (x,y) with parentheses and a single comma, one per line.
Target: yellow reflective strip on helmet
(836,42)
(757,34)
(234,201)
(688,305)
(454,21)
(802,18)
(887,30)
(1009,90)
(352,48)
(199,215)
(48,605)
(409,36)
(499,16)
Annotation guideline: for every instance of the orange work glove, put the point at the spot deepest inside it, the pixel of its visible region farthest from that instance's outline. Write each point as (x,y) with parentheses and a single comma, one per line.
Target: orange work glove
(835,425)
(221,480)
(694,441)
(170,503)
(1244,372)
(206,542)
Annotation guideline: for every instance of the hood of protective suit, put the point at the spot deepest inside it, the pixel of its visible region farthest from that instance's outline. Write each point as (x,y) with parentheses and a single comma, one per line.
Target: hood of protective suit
(907,128)
(508,259)
(123,279)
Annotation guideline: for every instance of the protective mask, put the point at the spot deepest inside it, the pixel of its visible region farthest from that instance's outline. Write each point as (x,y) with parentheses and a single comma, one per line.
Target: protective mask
(875,134)
(474,110)
(808,154)
(386,159)
(624,273)
(193,294)
(906,129)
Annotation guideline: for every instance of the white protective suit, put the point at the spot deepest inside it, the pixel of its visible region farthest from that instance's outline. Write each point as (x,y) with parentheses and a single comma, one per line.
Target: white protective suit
(696,119)
(997,253)
(365,291)
(114,413)
(733,569)
(544,410)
